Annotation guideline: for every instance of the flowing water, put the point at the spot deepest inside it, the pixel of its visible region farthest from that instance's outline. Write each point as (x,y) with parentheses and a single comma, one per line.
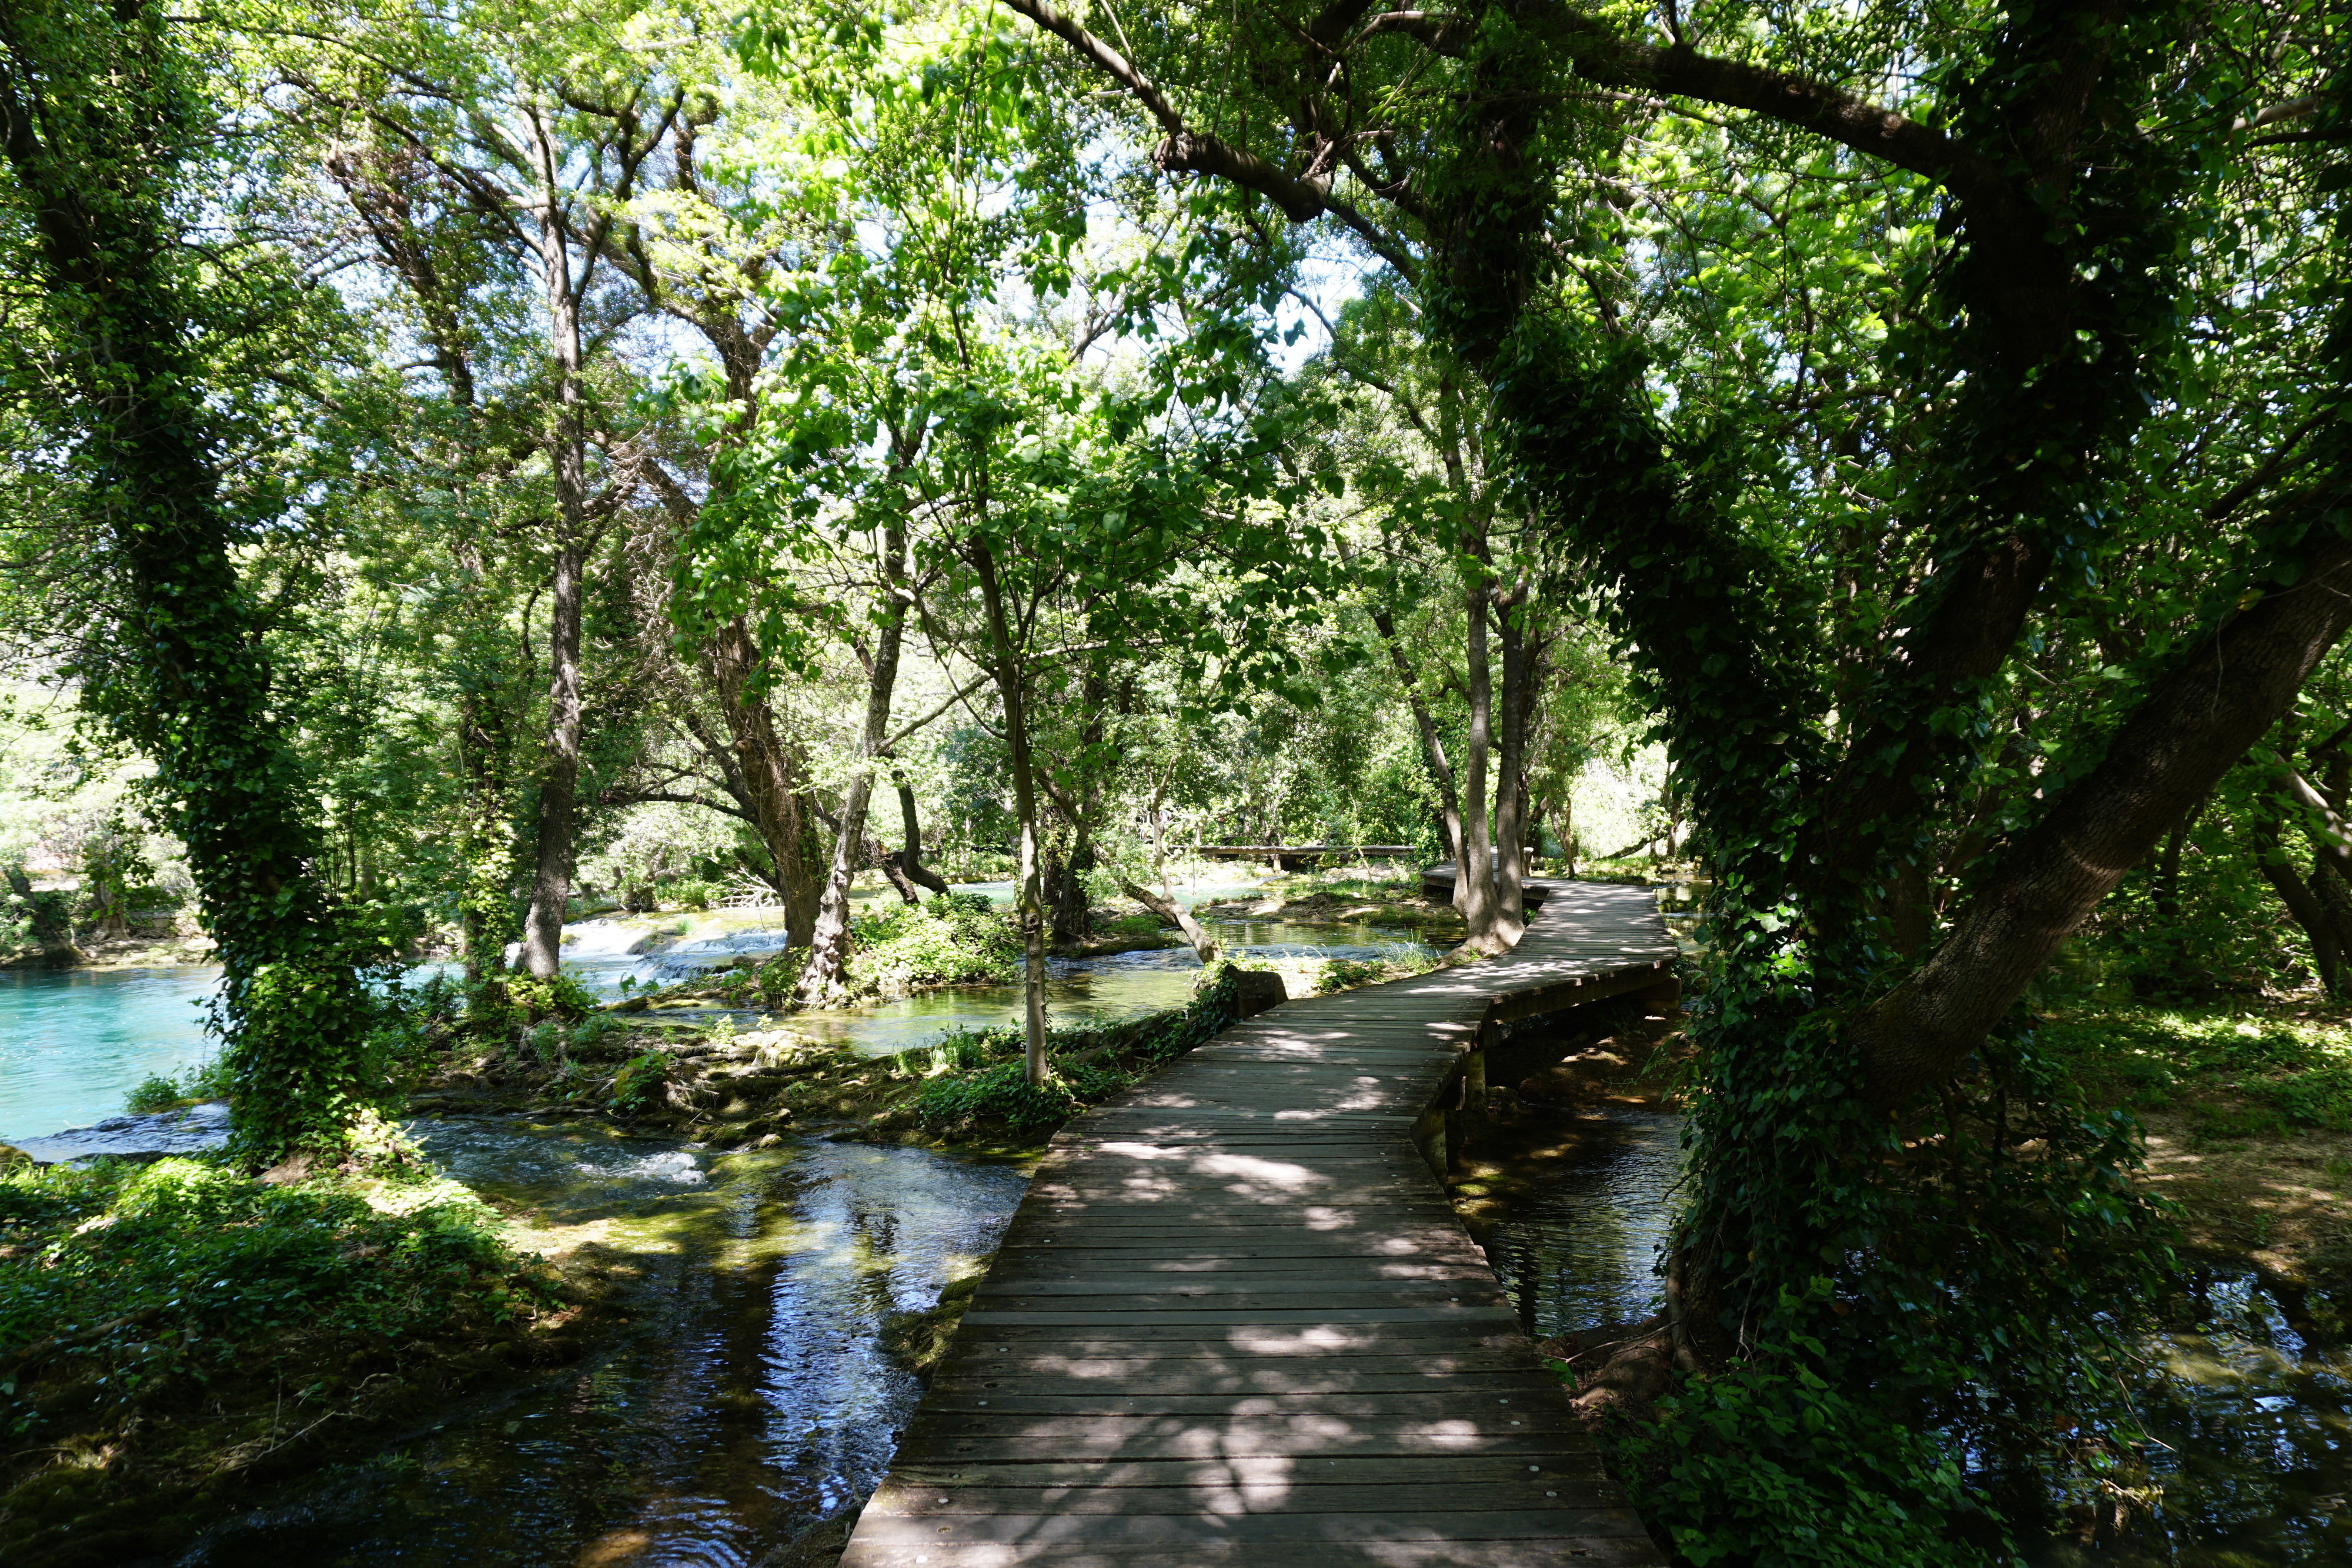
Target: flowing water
(1576,1242)
(2249,1397)
(2250,1401)
(753,1397)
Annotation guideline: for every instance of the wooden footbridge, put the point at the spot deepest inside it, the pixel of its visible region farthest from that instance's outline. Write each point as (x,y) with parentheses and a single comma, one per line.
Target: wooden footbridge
(1235,1321)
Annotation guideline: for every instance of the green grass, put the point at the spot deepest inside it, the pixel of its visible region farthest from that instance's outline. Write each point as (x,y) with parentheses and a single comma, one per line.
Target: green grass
(2234,1072)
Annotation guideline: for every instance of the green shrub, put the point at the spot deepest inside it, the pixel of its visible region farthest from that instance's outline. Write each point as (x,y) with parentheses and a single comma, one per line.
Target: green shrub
(952,940)
(161,1092)
(999,1093)
(1786,1460)
(560,996)
(985,1077)
(134,1274)
(154,1092)
(688,893)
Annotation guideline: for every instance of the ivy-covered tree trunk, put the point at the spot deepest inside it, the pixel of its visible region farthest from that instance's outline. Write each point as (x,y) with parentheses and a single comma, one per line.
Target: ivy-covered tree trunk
(97,111)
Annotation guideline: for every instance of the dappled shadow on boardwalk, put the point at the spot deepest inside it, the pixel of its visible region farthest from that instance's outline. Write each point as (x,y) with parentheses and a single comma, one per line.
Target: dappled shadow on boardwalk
(1235,1320)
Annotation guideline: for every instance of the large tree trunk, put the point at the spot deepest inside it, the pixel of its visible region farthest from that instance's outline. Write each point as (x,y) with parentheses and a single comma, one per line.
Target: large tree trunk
(559,778)
(770,776)
(1011,688)
(2188,731)
(829,943)
(93,120)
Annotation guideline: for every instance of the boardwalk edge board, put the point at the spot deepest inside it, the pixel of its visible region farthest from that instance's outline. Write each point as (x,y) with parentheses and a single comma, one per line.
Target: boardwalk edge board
(1236,1321)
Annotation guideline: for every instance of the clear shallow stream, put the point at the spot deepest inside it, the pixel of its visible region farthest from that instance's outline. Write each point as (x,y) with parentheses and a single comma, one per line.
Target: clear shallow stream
(74,1043)
(752,1398)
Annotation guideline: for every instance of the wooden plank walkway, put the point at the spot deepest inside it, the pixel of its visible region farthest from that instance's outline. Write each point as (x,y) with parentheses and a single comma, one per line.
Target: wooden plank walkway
(1235,1321)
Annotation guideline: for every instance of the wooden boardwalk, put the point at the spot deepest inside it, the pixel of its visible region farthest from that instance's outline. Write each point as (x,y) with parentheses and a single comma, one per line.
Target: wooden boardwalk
(1235,1321)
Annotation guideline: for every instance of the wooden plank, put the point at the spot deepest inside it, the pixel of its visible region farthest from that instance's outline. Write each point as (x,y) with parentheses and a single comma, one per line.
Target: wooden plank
(1236,1321)
(1303,1527)
(1597,1551)
(916,1501)
(1255,1473)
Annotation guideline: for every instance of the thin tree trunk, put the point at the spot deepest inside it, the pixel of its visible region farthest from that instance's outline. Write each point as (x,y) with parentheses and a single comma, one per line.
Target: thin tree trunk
(486,842)
(1008,687)
(2301,901)
(1205,947)
(829,944)
(558,782)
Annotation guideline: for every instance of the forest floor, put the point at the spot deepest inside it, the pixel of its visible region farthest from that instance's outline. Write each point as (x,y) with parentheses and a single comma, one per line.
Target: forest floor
(2247,1105)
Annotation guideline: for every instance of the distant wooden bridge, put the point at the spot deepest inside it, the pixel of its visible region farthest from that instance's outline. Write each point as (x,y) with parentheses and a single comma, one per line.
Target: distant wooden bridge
(1235,1321)
(1304,857)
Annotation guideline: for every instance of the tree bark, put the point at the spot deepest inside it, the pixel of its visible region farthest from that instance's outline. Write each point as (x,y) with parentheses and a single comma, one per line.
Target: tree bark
(911,858)
(559,778)
(1432,748)
(829,941)
(770,776)
(2187,731)
(1011,688)
(1521,652)
(1473,881)
(2302,901)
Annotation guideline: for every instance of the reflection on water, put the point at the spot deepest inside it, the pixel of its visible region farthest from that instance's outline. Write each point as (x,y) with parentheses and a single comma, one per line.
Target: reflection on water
(75,1042)
(756,1400)
(1575,1250)
(2253,1404)
(2251,1399)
